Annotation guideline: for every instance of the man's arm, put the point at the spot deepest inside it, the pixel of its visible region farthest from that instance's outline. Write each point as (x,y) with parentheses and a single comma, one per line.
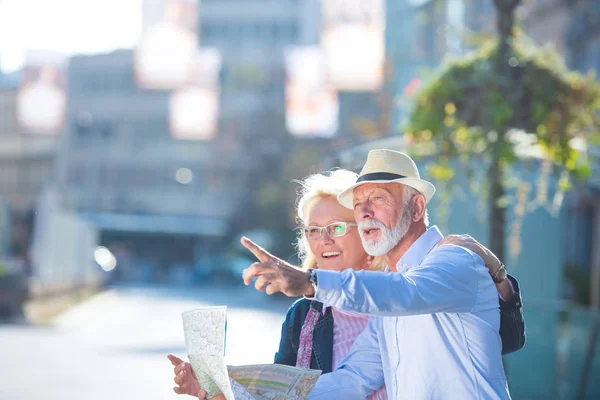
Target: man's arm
(512,325)
(359,374)
(447,281)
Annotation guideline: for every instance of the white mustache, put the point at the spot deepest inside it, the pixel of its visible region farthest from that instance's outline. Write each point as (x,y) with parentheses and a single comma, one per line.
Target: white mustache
(371,223)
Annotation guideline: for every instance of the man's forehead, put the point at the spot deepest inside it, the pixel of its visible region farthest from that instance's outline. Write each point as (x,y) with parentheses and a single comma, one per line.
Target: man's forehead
(368,188)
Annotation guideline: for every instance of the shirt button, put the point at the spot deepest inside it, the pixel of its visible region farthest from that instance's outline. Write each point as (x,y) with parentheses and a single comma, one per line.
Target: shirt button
(518,304)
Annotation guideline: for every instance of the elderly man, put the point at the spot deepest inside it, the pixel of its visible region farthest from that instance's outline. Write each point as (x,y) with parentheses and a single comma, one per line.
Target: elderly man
(434,334)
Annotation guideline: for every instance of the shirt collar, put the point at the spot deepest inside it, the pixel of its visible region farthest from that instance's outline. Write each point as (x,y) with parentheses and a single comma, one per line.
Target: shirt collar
(419,249)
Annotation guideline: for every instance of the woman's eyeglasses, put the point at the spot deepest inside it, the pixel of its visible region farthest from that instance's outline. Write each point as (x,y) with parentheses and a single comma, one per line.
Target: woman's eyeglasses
(335,229)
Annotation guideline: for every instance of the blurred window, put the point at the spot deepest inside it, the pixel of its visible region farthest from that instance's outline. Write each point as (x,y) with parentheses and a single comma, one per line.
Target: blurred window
(7,126)
(293,32)
(428,20)
(3,179)
(262,31)
(11,171)
(578,244)
(75,176)
(207,30)
(40,170)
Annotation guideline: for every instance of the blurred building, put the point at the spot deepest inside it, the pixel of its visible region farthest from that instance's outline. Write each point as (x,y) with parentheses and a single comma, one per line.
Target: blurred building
(415,42)
(26,162)
(119,167)
(175,201)
(571,27)
(252,37)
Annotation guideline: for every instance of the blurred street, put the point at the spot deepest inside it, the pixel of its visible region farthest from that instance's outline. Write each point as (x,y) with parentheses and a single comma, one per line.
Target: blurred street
(114,345)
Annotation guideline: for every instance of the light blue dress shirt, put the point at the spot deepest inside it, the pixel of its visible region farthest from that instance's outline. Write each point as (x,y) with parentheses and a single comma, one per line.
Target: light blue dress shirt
(434,328)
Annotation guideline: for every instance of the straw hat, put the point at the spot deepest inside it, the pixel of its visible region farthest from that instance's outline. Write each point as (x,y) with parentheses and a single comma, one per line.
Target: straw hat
(387,166)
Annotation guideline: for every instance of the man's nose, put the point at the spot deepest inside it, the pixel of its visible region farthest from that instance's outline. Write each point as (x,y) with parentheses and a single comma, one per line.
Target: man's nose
(364,211)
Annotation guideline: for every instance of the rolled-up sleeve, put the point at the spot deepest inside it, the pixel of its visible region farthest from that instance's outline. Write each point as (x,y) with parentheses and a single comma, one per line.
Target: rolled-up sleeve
(447,281)
(359,374)
(512,324)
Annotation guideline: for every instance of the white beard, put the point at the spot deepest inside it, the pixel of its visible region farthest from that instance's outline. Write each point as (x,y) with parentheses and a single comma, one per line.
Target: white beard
(389,237)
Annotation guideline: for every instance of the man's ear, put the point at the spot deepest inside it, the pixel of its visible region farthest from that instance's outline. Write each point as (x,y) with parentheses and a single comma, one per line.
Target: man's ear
(417,207)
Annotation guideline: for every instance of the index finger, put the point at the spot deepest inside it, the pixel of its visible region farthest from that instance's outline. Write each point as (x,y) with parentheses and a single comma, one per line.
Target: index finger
(259,252)
(174,360)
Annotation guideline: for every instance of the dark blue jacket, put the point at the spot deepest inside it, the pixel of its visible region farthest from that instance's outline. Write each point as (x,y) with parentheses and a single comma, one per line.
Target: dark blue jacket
(512,331)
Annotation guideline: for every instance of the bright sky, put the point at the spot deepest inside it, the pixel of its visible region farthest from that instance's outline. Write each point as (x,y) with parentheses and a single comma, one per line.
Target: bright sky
(67,26)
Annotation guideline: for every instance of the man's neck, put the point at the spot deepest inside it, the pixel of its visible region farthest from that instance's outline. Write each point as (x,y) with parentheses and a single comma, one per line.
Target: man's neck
(394,255)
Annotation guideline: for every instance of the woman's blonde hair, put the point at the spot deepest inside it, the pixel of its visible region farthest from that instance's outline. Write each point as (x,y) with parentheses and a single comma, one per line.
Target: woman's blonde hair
(313,188)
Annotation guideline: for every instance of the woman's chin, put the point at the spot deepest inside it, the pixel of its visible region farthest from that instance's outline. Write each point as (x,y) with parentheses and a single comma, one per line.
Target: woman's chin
(331,266)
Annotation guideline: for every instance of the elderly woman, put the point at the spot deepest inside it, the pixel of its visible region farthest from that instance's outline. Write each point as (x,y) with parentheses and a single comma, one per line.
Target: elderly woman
(319,338)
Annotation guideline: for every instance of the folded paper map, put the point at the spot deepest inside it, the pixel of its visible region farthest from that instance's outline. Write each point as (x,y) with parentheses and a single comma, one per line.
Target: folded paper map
(204,331)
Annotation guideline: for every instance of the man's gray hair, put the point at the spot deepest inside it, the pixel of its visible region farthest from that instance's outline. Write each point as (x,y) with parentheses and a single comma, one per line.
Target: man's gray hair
(409,193)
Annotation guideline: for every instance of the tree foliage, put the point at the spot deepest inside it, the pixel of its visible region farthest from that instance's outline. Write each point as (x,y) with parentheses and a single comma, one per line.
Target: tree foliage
(465,110)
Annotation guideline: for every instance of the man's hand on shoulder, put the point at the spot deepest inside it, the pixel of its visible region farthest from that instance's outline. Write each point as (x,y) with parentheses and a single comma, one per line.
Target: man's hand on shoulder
(495,267)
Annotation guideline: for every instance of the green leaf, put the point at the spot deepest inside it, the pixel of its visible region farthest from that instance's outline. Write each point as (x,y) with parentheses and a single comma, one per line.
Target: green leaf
(564,183)
(440,172)
(503,201)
